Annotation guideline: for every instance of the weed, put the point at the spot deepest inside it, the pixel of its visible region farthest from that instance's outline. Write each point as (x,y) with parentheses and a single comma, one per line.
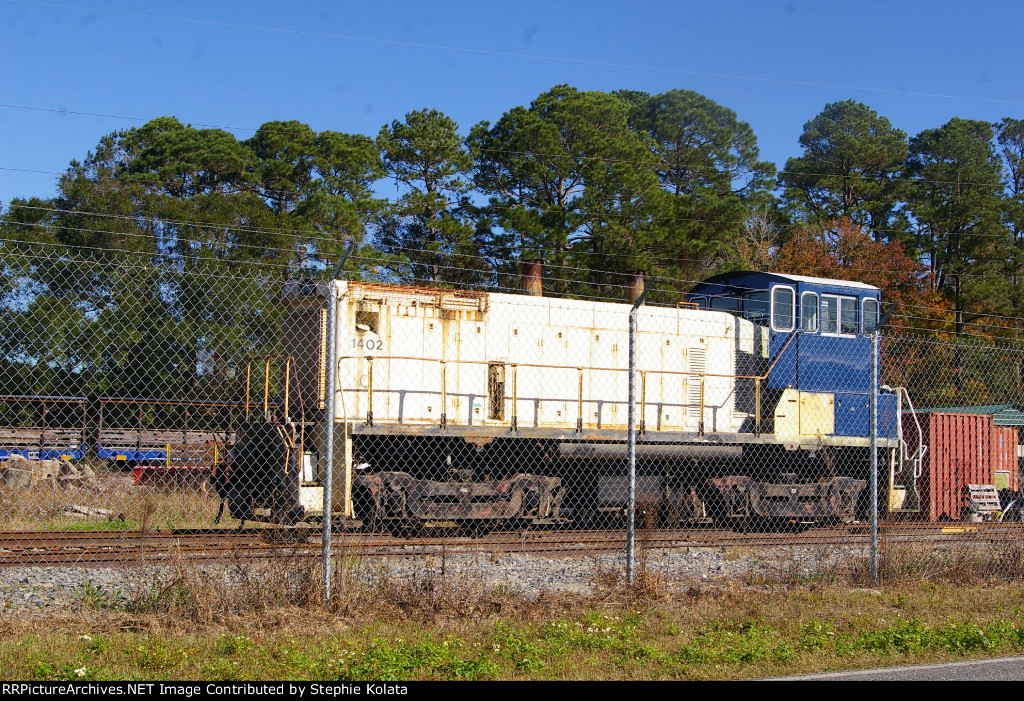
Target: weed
(43,670)
(95,597)
(146,513)
(901,638)
(155,657)
(995,558)
(735,552)
(564,636)
(643,653)
(234,644)
(732,634)
(816,636)
(396,660)
(118,524)
(98,645)
(515,645)
(110,489)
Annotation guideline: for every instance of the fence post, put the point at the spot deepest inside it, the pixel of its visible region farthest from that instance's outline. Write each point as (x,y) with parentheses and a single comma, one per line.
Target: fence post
(873,430)
(329,412)
(631,440)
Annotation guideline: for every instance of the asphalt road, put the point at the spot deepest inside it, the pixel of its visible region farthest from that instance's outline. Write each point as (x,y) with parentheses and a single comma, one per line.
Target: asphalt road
(999,669)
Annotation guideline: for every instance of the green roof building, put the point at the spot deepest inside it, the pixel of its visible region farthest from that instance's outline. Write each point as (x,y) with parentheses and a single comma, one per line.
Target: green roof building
(1002,414)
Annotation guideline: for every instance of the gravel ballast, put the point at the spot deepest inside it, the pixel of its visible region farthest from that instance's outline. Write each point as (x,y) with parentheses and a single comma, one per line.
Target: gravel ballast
(28,590)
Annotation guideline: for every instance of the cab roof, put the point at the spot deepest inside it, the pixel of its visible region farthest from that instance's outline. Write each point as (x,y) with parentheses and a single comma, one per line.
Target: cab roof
(736,277)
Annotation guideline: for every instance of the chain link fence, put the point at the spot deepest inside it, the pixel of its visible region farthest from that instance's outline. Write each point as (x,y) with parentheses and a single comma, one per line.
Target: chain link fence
(190,400)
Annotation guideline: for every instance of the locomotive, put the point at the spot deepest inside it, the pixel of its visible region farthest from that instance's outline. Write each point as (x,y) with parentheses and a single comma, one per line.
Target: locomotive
(481,409)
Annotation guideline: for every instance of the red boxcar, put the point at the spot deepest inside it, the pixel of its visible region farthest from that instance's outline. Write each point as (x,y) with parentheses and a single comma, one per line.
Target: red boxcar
(962,449)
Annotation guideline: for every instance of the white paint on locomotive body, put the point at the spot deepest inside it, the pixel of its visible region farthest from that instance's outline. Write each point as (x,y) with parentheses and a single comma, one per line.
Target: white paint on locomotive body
(420,356)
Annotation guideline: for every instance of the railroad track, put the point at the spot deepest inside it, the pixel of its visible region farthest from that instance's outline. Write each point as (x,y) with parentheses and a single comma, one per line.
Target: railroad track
(121,547)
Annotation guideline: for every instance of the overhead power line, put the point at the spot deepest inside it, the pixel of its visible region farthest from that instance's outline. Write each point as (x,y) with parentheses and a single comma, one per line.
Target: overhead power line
(511,54)
(538,154)
(312,236)
(604,277)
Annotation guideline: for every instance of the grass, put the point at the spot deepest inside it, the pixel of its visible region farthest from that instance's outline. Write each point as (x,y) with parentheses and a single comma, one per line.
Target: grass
(810,614)
(268,623)
(115,525)
(716,635)
(147,506)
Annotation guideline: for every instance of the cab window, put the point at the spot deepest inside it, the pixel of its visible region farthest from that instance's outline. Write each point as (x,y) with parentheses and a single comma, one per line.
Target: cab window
(870,316)
(755,306)
(839,315)
(783,308)
(725,304)
(809,312)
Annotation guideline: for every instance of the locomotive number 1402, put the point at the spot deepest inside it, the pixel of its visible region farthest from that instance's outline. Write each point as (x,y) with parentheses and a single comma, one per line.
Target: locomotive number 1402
(368,344)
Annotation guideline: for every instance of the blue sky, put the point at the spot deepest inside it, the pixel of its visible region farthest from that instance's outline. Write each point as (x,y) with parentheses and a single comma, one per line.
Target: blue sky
(354,66)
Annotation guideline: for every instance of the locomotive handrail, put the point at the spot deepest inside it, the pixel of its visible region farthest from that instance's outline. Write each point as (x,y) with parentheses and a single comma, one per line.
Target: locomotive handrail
(515,399)
(778,356)
(248,376)
(595,368)
(703,375)
(267,405)
(266,390)
(762,378)
(922,449)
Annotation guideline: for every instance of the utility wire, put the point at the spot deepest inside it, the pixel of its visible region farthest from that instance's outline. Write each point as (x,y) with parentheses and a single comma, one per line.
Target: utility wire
(582,158)
(508,54)
(294,251)
(390,263)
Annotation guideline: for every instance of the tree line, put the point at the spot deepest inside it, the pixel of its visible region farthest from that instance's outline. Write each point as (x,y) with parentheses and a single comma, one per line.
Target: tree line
(598,185)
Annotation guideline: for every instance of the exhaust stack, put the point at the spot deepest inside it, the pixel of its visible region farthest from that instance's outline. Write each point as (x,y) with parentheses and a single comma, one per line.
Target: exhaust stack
(532,281)
(636,287)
